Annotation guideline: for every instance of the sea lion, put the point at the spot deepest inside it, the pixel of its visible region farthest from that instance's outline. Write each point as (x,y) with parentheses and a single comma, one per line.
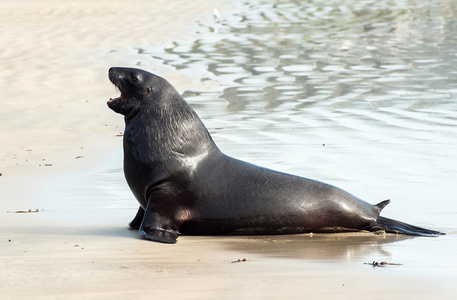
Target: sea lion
(186,185)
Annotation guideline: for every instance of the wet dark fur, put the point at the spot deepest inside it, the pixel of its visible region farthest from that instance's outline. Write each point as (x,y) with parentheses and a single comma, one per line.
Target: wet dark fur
(185,184)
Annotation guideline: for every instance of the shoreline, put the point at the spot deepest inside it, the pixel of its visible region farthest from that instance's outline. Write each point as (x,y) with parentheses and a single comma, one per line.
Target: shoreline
(61,154)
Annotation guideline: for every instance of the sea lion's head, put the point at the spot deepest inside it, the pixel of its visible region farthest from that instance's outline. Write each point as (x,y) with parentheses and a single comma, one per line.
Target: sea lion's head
(162,118)
(137,87)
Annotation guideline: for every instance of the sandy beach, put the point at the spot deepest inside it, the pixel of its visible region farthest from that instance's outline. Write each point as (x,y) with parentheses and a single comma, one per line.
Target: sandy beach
(61,158)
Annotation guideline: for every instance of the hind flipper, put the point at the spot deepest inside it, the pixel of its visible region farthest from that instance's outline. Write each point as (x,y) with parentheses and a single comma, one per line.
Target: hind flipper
(394,226)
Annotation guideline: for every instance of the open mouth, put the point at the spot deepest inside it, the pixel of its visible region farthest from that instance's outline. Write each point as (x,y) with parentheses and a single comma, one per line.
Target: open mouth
(120,98)
(120,105)
(115,80)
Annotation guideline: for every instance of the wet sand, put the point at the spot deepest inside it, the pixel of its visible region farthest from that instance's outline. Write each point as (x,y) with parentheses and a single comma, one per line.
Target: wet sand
(61,154)
(111,262)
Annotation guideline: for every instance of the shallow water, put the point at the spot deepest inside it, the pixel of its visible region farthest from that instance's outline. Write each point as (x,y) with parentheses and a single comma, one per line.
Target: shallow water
(361,94)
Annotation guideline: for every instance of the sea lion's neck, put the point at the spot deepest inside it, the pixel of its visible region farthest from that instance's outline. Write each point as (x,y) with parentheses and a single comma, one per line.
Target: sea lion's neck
(171,130)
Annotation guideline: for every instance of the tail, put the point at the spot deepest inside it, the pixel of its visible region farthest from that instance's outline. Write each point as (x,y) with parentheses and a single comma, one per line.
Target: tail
(393,226)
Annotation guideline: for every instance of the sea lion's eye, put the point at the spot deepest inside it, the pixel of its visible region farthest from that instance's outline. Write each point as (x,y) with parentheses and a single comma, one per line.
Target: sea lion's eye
(133,77)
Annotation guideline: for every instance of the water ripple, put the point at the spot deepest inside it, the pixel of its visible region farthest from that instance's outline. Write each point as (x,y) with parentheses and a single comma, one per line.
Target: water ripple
(364,78)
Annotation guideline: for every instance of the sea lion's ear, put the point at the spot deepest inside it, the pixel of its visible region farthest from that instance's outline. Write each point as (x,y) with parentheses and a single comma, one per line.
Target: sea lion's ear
(133,77)
(150,90)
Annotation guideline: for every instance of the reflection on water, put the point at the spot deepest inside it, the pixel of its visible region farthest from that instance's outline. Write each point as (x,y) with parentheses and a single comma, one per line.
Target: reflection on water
(343,54)
(317,246)
(349,65)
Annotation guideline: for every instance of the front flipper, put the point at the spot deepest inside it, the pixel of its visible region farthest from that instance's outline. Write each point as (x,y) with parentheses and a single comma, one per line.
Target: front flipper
(136,222)
(158,227)
(159,235)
